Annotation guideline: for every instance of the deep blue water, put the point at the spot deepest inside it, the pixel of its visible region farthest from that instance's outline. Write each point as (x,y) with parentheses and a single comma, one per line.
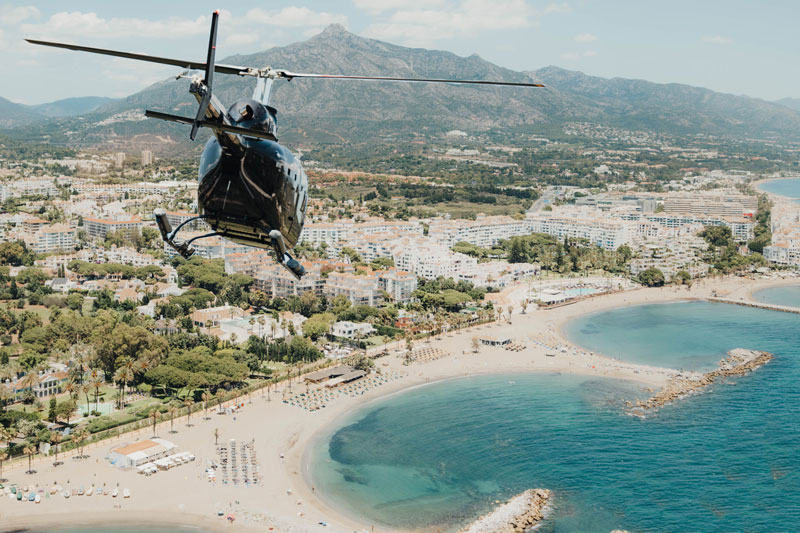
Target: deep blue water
(783,187)
(788,295)
(726,460)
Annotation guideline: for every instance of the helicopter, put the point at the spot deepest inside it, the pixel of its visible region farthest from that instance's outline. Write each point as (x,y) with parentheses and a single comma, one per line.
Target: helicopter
(251,190)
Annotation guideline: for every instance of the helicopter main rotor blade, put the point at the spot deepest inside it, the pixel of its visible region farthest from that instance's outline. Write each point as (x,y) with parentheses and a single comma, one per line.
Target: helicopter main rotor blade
(290,75)
(182,63)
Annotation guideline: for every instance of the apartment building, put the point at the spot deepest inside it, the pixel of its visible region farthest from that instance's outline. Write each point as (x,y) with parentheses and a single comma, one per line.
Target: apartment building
(97,228)
(50,239)
(607,233)
(360,289)
(485,231)
(399,284)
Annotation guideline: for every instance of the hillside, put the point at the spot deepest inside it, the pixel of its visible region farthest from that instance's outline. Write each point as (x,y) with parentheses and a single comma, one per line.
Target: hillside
(70,107)
(335,111)
(13,115)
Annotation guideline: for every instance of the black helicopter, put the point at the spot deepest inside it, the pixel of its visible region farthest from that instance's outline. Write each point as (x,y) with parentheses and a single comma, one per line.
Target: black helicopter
(251,190)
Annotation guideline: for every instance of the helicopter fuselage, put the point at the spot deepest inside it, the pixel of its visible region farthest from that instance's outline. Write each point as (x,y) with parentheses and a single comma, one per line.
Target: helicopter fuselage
(250,187)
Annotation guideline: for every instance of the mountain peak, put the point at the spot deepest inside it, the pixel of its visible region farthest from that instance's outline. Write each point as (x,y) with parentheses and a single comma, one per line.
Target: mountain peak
(334,30)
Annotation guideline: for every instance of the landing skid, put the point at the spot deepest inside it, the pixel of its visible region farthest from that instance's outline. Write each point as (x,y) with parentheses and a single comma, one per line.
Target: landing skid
(186,251)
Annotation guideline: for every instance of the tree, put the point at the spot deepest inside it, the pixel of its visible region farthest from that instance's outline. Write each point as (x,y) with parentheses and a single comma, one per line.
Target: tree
(3,457)
(652,277)
(80,438)
(216,436)
(29,450)
(51,411)
(187,402)
(154,416)
(683,277)
(476,344)
(172,410)
(319,325)
(66,409)
(55,439)
(717,235)
(206,397)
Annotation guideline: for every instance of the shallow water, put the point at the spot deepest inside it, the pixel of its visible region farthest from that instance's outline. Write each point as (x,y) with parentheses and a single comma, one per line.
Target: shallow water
(788,295)
(782,187)
(439,455)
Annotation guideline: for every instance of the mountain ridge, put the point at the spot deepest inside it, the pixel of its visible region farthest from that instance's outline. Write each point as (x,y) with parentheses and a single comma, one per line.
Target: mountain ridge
(336,111)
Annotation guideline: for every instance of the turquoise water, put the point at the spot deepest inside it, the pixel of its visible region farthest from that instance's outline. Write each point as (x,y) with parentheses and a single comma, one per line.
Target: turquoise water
(788,295)
(722,461)
(783,187)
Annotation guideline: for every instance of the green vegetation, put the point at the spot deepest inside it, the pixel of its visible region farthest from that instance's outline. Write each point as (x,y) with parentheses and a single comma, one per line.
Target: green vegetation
(573,255)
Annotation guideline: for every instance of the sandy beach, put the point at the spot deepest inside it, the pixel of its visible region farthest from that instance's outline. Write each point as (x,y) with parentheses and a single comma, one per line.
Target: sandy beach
(285,500)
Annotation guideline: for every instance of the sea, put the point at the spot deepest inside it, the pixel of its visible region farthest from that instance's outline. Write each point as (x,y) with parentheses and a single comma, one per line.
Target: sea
(436,457)
(782,187)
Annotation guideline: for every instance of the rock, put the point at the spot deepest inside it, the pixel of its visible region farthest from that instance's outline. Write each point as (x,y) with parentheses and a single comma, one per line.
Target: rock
(519,514)
(738,363)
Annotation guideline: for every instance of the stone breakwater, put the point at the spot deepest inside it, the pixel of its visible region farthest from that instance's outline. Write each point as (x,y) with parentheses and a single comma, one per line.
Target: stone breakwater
(738,363)
(519,514)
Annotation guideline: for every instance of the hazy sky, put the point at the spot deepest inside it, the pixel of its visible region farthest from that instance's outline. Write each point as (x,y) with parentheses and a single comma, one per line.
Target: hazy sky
(734,46)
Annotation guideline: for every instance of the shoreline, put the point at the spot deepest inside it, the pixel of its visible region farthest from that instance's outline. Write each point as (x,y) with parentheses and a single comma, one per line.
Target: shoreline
(286,436)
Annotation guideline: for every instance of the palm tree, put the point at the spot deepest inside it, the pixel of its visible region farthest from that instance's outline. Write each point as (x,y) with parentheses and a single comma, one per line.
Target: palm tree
(56,438)
(154,416)
(216,436)
(220,396)
(31,380)
(206,397)
(261,322)
(172,410)
(80,440)
(3,457)
(96,383)
(29,450)
(71,388)
(86,388)
(187,402)
(273,326)
(123,375)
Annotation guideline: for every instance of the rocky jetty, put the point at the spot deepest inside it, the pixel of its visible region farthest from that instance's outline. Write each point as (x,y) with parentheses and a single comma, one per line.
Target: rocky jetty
(519,514)
(738,363)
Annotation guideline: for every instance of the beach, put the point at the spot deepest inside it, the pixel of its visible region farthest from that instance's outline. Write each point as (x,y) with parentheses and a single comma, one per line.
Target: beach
(286,500)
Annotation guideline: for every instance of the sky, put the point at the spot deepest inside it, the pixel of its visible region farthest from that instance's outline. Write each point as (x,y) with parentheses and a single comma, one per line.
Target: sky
(733,46)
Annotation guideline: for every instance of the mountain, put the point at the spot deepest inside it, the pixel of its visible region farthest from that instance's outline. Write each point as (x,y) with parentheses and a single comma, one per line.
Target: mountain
(337,111)
(791,103)
(69,107)
(13,115)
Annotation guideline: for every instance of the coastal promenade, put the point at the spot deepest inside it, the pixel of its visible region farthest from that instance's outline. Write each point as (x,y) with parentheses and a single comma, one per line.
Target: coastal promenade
(285,435)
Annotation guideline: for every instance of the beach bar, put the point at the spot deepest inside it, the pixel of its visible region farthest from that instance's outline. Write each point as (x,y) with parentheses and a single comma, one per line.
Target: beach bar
(141,452)
(494,341)
(328,373)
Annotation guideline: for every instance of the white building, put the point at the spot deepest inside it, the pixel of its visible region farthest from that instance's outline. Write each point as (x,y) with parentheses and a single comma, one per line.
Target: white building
(352,330)
(141,452)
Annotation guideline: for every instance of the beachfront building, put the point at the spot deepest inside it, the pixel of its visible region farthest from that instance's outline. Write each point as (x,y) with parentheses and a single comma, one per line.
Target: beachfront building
(360,289)
(488,340)
(45,383)
(485,231)
(141,452)
(352,330)
(607,233)
(719,203)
